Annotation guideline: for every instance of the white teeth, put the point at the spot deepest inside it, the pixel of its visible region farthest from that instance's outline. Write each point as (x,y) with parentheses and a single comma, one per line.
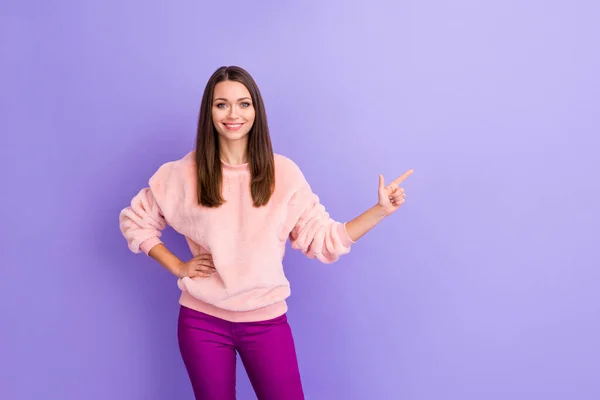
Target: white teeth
(233,125)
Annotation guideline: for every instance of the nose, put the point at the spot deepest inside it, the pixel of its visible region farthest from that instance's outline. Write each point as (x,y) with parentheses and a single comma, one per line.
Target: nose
(233,112)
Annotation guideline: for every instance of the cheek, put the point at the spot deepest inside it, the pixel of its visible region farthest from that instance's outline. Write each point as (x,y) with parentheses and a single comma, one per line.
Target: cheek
(251,114)
(217,114)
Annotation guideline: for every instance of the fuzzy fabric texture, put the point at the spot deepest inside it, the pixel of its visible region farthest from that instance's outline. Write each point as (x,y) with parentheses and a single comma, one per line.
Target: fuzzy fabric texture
(247,244)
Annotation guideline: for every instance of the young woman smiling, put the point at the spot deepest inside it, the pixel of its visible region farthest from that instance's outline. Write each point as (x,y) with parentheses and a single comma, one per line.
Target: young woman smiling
(237,203)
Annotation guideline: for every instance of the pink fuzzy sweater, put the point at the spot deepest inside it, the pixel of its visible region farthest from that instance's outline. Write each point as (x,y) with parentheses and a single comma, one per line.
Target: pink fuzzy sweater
(247,243)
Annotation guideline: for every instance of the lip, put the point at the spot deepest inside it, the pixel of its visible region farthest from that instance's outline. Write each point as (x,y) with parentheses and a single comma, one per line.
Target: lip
(231,126)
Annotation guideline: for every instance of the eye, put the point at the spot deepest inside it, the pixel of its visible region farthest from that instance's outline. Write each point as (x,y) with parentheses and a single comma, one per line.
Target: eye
(246,104)
(221,105)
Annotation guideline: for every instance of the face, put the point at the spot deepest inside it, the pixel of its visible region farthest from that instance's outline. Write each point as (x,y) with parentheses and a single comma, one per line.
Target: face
(232,110)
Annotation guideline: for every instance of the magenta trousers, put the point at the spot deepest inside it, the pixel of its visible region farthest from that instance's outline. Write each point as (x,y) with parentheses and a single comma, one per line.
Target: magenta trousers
(209,346)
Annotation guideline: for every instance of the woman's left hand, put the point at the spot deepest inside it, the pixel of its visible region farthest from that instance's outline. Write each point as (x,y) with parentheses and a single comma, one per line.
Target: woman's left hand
(391,196)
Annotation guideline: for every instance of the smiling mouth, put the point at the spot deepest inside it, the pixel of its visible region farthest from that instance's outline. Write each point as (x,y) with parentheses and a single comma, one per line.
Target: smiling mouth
(233,127)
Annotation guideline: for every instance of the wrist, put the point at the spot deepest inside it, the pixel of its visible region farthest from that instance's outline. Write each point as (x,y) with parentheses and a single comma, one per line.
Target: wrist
(178,270)
(380,211)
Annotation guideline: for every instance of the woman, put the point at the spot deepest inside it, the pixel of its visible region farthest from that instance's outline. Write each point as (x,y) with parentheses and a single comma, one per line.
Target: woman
(237,203)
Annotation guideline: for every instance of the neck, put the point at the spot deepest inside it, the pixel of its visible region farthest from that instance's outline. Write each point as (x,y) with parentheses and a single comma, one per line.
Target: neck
(234,153)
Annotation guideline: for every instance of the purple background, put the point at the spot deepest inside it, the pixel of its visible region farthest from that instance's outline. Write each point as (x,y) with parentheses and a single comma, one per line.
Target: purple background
(484,286)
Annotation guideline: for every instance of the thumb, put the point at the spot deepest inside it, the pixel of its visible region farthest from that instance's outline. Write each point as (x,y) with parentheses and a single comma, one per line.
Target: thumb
(381,184)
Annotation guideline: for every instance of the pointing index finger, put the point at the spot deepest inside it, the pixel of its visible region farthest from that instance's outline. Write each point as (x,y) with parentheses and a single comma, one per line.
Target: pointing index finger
(402,177)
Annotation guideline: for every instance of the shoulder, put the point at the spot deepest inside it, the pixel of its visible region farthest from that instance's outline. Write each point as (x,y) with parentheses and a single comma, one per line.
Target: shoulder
(287,168)
(289,175)
(177,172)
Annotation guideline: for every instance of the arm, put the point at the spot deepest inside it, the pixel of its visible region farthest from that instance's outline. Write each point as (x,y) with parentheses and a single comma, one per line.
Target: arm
(391,197)
(142,224)
(314,232)
(366,221)
(167,259)
(317,235)
(144,220)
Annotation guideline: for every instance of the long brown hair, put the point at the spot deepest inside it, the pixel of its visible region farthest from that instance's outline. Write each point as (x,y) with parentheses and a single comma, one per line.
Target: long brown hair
(260,151)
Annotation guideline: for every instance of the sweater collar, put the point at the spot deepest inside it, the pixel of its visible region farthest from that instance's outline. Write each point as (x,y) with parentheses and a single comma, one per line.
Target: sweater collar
(237,168)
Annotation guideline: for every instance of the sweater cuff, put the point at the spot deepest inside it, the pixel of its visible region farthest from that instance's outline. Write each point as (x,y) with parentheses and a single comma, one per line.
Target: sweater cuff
(148,244)
(343,232)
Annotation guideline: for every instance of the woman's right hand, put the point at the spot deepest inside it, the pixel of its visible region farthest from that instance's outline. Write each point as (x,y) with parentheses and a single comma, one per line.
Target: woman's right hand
(201,265)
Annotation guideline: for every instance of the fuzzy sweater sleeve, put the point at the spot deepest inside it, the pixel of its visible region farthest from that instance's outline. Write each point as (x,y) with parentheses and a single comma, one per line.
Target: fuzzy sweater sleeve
(315,233)
(143,221)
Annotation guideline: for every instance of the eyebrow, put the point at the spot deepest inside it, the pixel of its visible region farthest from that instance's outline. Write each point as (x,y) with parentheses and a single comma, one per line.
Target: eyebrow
(222,99)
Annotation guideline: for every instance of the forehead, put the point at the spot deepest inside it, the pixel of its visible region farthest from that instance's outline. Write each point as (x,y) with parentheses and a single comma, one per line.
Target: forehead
(231,90)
